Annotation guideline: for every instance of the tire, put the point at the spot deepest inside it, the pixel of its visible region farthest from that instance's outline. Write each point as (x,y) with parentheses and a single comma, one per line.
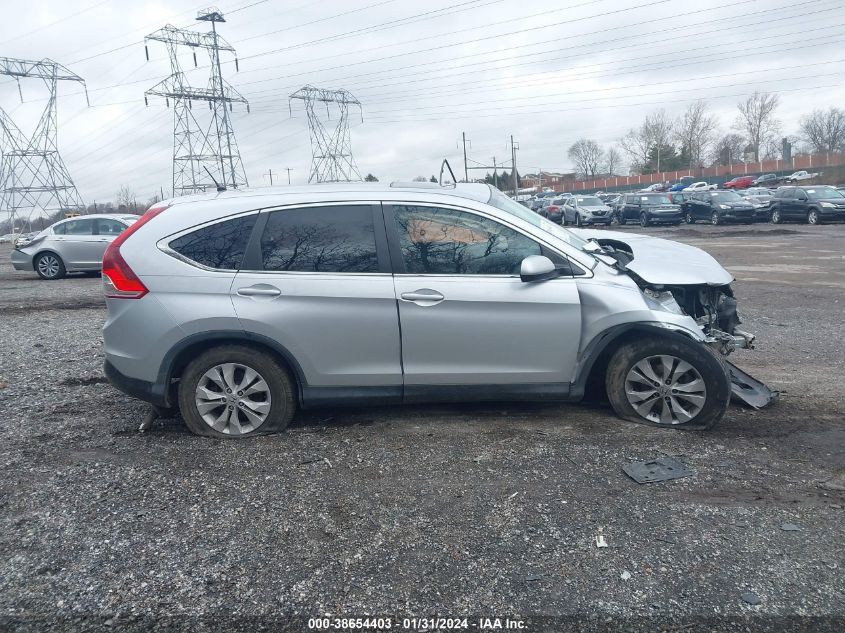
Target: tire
(814,217)
(689,218)
(715,220)
(49,266)
(272,385)
(644,220)
(578,220)
(706,374)
(622,220)
(776,219)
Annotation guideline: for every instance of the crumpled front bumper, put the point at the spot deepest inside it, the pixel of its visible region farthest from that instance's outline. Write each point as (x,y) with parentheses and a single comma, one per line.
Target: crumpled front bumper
(744,388)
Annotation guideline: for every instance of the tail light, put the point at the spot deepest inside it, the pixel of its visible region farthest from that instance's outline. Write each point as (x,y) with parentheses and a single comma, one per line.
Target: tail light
(119,281)
(553,207)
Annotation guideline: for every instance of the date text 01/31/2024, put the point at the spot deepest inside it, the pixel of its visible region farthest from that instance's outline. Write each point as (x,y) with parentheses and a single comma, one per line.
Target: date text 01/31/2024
(414,624)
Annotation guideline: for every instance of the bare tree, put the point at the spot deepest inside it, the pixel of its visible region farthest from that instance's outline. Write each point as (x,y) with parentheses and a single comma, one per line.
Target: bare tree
(824,130)
(420,179)
(728,150)
(612,161)
(125,197)
(655,132)
(587,156)
(695,132)
(757,119)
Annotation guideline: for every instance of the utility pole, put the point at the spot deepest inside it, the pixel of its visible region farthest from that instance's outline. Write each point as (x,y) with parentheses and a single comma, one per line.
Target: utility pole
(288,169)
(514,147)
(270,173)
(466,171)
(495,174)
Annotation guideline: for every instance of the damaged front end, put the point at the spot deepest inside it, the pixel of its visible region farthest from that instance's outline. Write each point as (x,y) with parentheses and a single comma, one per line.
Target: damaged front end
(714,309)
(699,288)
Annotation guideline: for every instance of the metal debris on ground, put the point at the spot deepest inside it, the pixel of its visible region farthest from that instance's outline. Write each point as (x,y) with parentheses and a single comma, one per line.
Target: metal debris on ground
(625,575)
(789,527)
(751,598)
(600,542)
(660,469)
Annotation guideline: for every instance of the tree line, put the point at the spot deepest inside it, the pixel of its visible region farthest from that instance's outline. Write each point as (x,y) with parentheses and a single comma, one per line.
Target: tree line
(695,139)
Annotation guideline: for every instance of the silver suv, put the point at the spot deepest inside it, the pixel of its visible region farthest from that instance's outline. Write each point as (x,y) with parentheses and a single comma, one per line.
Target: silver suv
(239,307)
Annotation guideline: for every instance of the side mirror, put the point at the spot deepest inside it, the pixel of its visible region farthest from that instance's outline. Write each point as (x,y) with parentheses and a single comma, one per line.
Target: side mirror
(537,268)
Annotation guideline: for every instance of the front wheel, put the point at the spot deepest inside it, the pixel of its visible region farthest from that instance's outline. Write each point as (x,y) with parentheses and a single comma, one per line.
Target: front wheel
(235,392)
(644,220)
(776,218)
(813,217)
(49,266)
(621,219)
(578,220)
(669,383)
(715,219)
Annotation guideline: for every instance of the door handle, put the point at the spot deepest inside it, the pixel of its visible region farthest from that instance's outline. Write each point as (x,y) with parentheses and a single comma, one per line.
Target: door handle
(259,290)
(423,297)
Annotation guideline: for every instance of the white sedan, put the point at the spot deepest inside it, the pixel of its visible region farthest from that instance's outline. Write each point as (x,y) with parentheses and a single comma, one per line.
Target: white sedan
(700,186)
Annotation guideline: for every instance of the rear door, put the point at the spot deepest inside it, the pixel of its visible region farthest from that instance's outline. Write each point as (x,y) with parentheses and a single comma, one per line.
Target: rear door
(466,317)
(317,280)
(77,245)
(700,205)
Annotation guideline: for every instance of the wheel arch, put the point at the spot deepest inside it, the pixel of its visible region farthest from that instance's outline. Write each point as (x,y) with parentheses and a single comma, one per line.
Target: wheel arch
(596,355)
(179,356)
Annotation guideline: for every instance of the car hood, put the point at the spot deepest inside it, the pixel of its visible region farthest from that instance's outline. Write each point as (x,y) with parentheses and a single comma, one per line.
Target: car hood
(659,261)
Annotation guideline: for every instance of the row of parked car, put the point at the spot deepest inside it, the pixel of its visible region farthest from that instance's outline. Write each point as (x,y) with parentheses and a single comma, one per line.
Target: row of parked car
(812,204)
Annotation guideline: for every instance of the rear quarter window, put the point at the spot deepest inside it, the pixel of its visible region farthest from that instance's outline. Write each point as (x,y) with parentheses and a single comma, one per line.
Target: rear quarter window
(221,245)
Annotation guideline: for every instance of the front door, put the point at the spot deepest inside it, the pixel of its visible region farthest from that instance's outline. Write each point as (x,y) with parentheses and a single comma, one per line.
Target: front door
(466,318)
(315,282)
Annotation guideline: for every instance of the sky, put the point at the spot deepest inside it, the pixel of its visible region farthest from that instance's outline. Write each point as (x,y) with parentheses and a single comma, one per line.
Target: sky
(547,72)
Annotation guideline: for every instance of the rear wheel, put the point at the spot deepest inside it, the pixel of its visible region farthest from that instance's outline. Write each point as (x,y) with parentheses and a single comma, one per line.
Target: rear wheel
(715,219)
(668,383)
(814,217)
(644,220)
(49,266)
(235,392)
(776,218)
(689,218)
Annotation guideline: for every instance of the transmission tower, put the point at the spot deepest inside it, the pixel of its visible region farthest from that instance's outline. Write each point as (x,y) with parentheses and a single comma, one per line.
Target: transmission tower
(203,150)
(32,174)
(331,150)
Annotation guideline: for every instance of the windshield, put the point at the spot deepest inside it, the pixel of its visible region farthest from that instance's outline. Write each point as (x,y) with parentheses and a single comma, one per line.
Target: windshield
(502,202)
(654,198)
(822,193)
(725,196)
(589,201)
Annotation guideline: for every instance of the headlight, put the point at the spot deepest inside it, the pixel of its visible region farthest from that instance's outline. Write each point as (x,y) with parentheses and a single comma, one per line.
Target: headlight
(664,301)
(828,205)
(724,206)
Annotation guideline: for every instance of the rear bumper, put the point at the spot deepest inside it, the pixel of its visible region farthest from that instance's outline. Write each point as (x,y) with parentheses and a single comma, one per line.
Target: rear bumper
(665,218)
(21,260)
(135,387)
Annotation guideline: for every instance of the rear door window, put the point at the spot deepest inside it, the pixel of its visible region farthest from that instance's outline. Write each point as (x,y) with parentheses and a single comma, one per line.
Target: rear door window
(331,239)
(83,226)
(221,245)
(107,226)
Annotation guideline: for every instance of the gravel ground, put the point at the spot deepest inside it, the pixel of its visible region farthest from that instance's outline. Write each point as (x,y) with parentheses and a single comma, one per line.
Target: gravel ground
(472,511)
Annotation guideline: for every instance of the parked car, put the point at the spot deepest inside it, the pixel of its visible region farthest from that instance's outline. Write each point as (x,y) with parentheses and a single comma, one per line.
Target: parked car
(814,205)
(656,187)
(647,209)
(760,202)
(607,198)
(584,210)
(682,184)
(740,182)
(717,207)
(700,186)
(25,238)
(554,210)
(536,203)
(72,245)
(766,180)
(677,197)
(240,307)
(800,175)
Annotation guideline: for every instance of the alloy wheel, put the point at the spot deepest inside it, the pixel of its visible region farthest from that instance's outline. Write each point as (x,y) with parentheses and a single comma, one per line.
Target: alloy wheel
(714,218)
(776,216)
(665,389)
(689,218)
(813,217)
(48,266)
(232,398)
